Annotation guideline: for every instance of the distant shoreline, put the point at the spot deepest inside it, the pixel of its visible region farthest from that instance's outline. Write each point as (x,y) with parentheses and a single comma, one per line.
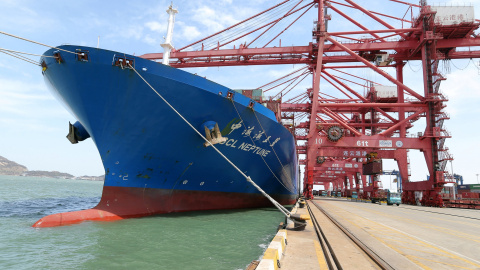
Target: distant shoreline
(8,167)
(87,178)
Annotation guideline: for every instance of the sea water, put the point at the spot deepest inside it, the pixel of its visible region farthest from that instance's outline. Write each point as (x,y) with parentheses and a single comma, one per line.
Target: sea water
(195,240)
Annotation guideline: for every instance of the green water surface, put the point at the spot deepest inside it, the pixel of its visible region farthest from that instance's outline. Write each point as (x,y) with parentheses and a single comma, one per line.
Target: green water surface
(194,240)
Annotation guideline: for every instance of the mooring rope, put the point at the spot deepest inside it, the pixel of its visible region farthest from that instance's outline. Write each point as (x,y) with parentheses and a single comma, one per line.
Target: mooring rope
(283,168)
(28,60)
(268,142)
(15,54)
(275,203)
(7,34)
(245,127)
(12,51)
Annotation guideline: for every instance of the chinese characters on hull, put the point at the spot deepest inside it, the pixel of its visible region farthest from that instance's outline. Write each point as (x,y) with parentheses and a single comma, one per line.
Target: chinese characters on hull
(255,136)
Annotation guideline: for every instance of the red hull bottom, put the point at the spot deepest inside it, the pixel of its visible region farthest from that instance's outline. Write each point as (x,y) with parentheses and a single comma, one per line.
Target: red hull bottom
(122,202)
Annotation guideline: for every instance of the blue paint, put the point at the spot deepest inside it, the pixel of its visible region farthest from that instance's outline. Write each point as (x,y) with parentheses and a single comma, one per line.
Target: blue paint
(80,131)
(143,143)
(209,124)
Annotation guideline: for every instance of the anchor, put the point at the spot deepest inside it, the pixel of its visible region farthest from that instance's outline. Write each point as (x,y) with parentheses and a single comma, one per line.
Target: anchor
(213,135)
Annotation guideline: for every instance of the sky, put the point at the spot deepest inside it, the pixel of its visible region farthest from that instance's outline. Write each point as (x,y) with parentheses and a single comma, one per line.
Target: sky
(33,124)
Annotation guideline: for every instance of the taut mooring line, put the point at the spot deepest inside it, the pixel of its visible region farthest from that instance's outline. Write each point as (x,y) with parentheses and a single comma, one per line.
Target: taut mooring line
(275,203)
(7,34)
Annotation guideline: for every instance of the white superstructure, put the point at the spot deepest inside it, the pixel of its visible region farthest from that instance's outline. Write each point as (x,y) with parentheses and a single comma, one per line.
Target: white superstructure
(168,46)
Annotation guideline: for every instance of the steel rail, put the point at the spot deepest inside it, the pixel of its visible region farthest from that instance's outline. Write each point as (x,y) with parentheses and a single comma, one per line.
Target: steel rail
(370,253)
(327,249)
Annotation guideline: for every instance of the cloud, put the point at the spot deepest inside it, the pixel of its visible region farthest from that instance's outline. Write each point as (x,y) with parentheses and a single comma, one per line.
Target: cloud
(19,17)
(132,31)
(90,20)
(150,40)
(461,92)
(188,33)
(205,20)
(212,20)
(199,19)
(26,100)
(156,26)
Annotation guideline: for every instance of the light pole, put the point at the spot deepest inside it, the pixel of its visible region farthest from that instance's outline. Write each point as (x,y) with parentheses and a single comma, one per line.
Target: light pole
(477,179)
(390,186)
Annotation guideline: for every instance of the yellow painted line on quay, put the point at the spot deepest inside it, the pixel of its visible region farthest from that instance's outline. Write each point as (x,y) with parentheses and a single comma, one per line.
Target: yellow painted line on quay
(318,249)
(320,256)
(426,225)
(471,223)
(443,252)
(424,243)
(477,225)
(416,241)
(411,258)
(439,262)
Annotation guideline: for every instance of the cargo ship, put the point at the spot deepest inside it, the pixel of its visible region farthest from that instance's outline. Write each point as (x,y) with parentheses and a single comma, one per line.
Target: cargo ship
(154,161)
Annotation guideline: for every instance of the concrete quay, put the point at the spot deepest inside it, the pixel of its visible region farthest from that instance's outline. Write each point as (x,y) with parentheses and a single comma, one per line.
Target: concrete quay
(405,236)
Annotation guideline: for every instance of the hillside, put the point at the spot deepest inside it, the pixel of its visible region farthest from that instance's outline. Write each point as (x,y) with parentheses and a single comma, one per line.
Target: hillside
(53,174)
(8,167)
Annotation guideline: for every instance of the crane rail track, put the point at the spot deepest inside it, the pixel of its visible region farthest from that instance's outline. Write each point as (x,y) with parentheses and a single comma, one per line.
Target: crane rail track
(330,256)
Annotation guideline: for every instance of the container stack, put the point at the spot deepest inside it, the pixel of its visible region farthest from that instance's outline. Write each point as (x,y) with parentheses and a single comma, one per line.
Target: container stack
(468,196)
(255,94)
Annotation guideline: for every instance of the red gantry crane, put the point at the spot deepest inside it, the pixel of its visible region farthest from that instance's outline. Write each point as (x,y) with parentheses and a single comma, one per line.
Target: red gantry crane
(344,134)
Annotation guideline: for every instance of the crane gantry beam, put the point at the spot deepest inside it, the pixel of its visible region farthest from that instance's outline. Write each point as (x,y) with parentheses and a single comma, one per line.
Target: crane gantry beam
(353,124)
(304,54)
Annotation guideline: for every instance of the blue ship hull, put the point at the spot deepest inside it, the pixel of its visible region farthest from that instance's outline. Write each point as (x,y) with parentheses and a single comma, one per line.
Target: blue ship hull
(154,162)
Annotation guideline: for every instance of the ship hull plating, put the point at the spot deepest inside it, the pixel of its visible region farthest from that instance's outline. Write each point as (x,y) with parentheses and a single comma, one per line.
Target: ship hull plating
(154,161)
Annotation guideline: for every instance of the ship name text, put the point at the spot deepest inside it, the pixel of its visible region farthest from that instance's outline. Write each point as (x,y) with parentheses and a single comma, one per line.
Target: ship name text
(246,147)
